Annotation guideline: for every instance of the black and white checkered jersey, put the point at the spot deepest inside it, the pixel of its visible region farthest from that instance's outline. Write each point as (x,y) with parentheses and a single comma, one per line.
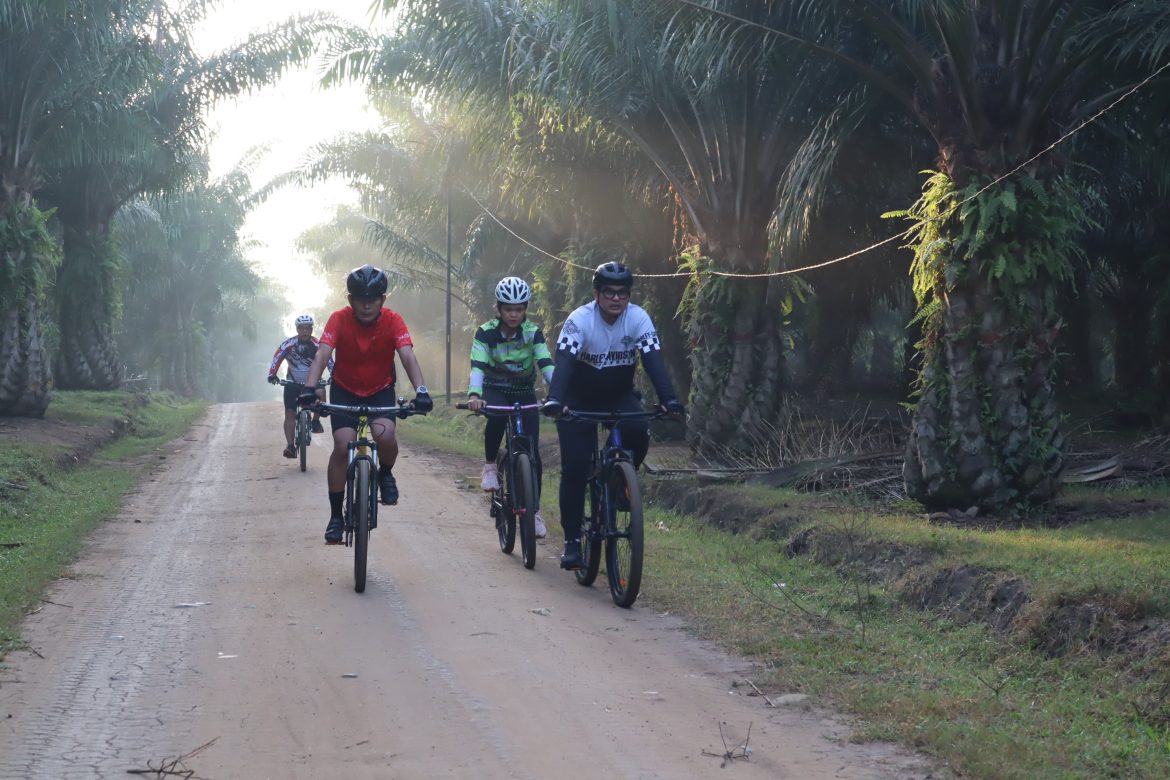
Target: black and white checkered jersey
(603,356)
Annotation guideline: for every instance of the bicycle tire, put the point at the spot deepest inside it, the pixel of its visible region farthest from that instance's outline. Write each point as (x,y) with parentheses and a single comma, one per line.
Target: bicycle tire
(524,507)
(361,523)
(624,548)
(303,438)
(590,542)
(505,520)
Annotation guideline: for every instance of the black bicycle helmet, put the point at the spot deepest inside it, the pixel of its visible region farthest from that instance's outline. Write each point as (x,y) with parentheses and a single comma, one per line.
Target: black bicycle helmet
(613,272)
(366,282)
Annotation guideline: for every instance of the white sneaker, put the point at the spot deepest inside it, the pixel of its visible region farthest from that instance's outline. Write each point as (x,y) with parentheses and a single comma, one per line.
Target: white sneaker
(541,531)
(490,478)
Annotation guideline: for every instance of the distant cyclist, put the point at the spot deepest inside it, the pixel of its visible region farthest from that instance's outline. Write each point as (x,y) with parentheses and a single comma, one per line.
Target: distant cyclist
(505,356)
(597,353)
(299,351)
(364,337)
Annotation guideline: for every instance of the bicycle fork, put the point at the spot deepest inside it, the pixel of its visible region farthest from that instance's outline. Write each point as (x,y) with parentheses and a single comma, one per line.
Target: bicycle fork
(371,456)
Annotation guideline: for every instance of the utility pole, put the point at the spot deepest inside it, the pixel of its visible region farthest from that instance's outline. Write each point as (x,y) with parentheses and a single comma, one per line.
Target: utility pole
(448,288)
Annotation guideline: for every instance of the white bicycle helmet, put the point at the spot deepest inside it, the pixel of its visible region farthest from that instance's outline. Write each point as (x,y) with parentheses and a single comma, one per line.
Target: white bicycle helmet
(513,289)
(304,319)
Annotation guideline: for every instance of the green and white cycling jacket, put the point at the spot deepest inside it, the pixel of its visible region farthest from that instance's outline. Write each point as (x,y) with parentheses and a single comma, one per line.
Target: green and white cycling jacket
(508,363)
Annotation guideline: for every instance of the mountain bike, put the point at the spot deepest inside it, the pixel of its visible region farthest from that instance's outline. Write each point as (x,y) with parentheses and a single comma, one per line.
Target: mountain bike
(514,502)
(361,480)
(303,436)
(615,509)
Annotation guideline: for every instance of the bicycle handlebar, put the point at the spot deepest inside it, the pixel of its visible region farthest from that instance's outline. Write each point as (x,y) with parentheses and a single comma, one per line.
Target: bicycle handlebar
(572,415)
(398,410)
(503,410)
(321,384)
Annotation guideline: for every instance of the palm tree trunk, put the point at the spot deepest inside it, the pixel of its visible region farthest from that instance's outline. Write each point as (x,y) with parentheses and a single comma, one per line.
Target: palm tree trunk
(1131,355)
(25,380)
(737,359)
(986,431)
(27,256)
(86,298)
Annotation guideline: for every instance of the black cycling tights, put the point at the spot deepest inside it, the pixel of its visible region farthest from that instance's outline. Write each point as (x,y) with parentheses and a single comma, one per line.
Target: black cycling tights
(577,442)
(493,432)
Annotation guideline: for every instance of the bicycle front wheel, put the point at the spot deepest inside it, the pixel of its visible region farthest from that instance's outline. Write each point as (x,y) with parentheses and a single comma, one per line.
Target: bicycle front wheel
(523,492)
(303,437)
(624,539)
(590,542)
(505,518)
(361,522)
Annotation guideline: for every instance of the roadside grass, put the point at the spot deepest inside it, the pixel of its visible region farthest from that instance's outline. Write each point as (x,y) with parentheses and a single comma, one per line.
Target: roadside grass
(43,527)
(94,407)
(447,429)
(988,706)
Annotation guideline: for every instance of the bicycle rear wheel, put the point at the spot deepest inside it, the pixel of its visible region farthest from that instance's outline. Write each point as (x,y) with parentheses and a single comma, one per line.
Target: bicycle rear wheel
(361,522)
(505,519)
(303,437)
(623,548)
(590,542)
(523,492)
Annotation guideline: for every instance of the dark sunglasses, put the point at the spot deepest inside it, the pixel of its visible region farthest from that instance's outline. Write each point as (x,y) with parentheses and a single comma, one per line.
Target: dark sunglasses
(616,293)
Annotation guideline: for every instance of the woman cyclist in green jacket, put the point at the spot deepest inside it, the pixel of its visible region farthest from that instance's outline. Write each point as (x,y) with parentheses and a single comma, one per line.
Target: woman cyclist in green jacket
(505,357)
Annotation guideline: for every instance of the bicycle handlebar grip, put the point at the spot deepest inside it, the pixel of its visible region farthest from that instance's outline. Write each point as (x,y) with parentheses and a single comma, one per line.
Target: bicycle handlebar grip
(461,406)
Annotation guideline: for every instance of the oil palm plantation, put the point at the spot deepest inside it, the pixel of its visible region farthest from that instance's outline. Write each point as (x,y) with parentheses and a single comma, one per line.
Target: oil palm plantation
(730,141)
(57,60)
(995,232)
(142,137)
(187,279)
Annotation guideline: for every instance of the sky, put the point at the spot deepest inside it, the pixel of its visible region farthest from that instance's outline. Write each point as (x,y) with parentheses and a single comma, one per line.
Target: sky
(289,118)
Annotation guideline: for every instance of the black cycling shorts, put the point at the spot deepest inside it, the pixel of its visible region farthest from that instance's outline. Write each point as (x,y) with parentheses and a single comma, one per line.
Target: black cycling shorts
(339,395)
(291,393)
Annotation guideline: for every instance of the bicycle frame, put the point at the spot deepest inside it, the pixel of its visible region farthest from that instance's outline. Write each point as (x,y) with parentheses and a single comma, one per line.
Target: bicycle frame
(516,440)
(364,447)
(514,508)
(612,469)
(605,457)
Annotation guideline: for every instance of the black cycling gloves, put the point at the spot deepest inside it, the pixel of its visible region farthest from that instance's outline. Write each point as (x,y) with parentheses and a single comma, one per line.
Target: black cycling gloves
(423,403)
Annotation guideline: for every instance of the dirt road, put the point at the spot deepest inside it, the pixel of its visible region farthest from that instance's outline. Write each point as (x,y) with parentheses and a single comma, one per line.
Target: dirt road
(210,610)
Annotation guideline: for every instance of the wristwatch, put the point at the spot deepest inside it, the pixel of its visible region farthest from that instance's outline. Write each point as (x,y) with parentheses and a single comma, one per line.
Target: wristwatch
(421,390)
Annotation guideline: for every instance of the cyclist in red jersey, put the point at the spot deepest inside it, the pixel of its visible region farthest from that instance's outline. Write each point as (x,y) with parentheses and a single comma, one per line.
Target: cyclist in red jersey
(362,339)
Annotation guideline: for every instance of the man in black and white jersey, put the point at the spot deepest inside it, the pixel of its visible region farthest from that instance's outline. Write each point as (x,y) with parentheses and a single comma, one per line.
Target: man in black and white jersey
(299,351)
(597,353)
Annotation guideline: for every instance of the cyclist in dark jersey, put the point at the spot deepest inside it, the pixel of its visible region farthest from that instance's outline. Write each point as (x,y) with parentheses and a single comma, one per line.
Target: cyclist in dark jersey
(597,352)
(299,352)
(505,357)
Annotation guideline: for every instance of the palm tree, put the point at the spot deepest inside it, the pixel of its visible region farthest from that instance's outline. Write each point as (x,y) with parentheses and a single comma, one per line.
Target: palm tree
(995,84)
(143,138)
(187,279)
(732,143)
(57,61)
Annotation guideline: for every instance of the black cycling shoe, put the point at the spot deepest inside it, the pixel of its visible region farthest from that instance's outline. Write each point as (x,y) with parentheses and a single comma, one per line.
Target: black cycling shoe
(571,558)
(318,427)
(290,452)
(333,530)
(387,488)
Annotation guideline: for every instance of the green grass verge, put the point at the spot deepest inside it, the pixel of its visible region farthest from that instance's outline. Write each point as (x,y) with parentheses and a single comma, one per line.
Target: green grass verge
(989,707)
(42,527)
